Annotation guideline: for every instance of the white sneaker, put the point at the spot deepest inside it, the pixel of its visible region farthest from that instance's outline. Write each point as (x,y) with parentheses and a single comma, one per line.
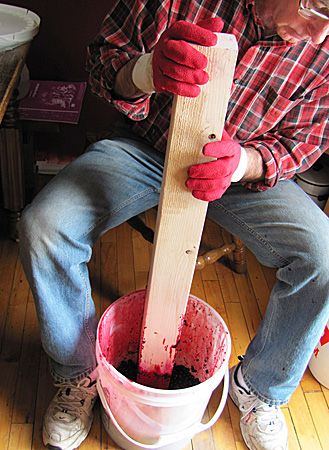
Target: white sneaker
(69,416)
(263,427)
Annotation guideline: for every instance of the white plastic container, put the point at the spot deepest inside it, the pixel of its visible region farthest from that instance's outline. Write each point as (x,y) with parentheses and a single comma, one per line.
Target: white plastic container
(319,362)
(17,26)
(137,416)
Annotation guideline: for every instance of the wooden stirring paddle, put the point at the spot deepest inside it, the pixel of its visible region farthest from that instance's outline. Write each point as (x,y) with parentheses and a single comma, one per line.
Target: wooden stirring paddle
(180,218)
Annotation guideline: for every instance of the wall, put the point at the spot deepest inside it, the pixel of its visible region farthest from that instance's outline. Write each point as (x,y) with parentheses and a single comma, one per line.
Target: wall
(58,53)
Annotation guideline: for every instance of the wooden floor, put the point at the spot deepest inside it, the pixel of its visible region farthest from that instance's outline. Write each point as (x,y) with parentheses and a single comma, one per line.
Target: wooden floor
(120,265)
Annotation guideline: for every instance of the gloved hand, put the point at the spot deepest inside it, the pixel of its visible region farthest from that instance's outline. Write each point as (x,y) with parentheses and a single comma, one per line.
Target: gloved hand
(208,181)
(177,66)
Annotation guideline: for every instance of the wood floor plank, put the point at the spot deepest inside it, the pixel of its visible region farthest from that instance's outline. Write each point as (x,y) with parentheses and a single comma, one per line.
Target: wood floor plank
(45,393)
(293,443)
(326,394)
(238,328)
(28,372)
(211,239)
(142,257)
(8,378)
(320,415)
(8,261)
(126,274)
(197,287)
(213,296)
(93,441)
(269,274)
(309,383)
(204,440)
(13,332)
(303,423)
(258,282)
(235,422)
(248,302)
(21,436)
(222,431)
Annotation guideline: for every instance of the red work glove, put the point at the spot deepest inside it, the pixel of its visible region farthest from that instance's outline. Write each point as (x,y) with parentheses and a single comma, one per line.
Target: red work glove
(177,66)
(208,181)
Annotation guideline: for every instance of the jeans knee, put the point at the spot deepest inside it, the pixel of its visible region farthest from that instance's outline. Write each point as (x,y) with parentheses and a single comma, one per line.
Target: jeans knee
(35,229)
(317,251)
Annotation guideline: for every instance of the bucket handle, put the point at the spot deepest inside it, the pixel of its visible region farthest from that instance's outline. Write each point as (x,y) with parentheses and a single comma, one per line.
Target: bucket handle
(190,431)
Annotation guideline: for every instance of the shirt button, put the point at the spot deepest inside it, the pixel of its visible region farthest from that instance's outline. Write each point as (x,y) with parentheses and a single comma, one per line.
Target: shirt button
(236,81)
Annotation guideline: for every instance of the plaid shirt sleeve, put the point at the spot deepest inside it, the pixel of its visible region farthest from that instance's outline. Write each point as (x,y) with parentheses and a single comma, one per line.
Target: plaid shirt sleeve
(297,141)
(116,44)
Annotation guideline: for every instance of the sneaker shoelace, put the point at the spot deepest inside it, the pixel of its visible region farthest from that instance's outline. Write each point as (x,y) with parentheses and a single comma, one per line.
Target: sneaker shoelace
(267,416)
(71,400)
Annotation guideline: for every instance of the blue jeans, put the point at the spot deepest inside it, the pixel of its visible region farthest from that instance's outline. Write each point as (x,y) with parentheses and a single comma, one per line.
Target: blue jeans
(117,179)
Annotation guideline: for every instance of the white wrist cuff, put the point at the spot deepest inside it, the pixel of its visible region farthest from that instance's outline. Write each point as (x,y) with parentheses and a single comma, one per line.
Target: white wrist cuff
(142,75)
(242,166)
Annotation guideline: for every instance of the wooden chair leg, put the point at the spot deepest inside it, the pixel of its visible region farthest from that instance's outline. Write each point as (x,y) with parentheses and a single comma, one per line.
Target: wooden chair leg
(213,255)
(239,256)
(236,248)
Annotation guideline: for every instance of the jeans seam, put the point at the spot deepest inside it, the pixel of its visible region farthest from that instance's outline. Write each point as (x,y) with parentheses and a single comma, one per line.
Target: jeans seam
(119,208)
(86,311)
(258,237)
(261,397)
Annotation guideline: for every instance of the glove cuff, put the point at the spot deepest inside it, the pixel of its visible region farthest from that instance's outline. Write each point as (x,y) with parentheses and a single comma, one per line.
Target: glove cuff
(242,166)
(142,74)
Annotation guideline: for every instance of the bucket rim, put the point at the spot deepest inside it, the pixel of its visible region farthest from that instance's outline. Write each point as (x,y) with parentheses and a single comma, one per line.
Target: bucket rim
(165,392)
(15,39)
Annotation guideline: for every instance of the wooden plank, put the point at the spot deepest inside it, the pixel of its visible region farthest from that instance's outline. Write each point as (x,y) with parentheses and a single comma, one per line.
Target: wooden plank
(235,421)
(302,420)
(320,415)
(326,394)
(248,303)
(46,392)
(222,431)
(141,252)
(238,329)
(8,261)
(211,239)
(258,282)
(8,372)
(21,436)
(180,219)
(27,383)
(126,274)
(309,383)
(13,333)
(293,443)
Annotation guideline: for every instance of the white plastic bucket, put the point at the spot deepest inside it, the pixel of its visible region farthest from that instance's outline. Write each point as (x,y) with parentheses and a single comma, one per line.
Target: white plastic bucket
(17,26)
(319,362)
(137,416)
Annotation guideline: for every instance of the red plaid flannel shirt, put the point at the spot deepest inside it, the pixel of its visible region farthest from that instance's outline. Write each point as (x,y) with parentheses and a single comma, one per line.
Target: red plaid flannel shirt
(280,96)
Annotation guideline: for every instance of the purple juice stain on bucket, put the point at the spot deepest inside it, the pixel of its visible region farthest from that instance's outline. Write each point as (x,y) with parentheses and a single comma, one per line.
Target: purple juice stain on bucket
(136,415)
